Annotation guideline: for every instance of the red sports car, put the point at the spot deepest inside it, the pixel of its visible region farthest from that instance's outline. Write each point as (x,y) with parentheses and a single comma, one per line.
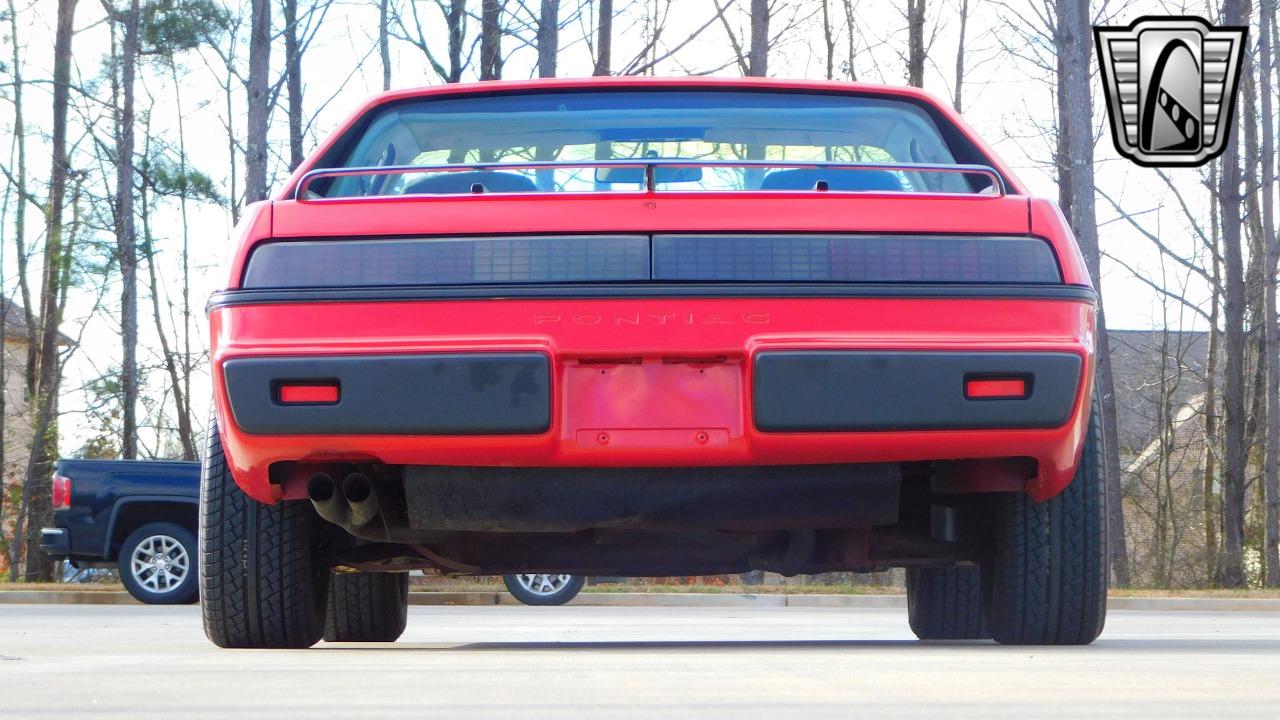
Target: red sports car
(653,327)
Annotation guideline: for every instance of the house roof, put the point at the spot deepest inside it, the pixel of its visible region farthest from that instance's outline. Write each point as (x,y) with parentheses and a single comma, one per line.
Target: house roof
(15,324)
(1147,364)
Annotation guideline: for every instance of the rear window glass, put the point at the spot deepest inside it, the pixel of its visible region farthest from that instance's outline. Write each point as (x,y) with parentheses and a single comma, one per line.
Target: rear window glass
(567,127)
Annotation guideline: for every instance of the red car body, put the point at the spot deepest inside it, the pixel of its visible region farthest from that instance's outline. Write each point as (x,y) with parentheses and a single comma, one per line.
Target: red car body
(667,379)
(595,423)
(815,360)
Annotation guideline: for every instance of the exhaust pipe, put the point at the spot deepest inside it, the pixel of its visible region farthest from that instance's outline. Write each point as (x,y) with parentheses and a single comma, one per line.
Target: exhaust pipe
(323,493)
(362,501)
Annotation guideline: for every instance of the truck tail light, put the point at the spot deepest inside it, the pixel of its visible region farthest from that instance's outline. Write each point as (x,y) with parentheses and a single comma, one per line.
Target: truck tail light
(1010,388)
(61,492)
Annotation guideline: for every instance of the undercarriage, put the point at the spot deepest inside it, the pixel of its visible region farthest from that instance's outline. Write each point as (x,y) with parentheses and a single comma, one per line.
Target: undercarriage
(653,521)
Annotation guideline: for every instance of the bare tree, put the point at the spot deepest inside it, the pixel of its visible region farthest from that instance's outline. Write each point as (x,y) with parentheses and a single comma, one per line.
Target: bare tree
(758,61)
(1271,469)
(491,39)
(958,101)
(126,237)
(1233,395)
(19,186)
(1212,508)
(853,46)
(548,39)
(33,508)
(916,49)
(604,39)
(258,101)
(413,31)
(384,42)
(293,75)
(829,39)
(1076,180)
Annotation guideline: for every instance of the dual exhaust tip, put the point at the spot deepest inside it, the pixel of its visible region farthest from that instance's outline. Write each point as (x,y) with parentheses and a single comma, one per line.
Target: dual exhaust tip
(351,503)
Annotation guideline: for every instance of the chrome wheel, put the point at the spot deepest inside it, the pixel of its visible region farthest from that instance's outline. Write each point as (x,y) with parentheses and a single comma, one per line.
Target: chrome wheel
(543,584)
(159,563)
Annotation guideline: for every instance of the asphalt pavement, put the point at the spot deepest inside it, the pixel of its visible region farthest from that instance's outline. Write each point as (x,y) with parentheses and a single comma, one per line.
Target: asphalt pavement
(620,662)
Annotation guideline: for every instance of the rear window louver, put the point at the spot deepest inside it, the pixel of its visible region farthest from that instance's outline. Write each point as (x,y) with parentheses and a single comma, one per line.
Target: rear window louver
(743,258)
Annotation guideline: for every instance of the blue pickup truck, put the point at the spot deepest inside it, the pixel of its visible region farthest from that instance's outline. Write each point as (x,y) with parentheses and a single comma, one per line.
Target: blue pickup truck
(139,515)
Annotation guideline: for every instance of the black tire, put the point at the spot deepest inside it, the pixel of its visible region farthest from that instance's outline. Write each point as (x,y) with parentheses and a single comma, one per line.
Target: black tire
(560,596)
(367,607)
(1046,581)
(945,603)
(260,584)
(174,550)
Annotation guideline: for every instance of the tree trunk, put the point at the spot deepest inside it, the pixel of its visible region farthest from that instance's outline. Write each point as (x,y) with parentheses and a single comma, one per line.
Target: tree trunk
(604,39)
(293,73)
(604,67)
(548,47)
(1271,468)
(456,21)
(964,20)
(491,40)
(1075,137)
(126,236)
(187,436)
(548,38)
(384,44)
(757,66)
(758,60)
(853,47)
(829,39)
(19,229)
(20,214)
(1212,513)
(258,101)
(915,43)
(1233,396)
(33,507)
(233,197)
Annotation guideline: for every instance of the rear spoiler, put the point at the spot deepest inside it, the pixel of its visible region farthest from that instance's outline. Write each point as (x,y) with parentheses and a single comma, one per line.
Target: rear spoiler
(650,167)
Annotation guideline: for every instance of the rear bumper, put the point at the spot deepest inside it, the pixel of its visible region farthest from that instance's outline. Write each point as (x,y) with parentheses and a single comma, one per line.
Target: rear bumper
(653,382)
(510,393)
(55,541)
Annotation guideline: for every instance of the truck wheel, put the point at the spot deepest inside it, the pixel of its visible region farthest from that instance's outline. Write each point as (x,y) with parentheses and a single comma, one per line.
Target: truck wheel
(367,607)
(945,603)
(1046,582)
(260,584)
(544,588)
(158,564)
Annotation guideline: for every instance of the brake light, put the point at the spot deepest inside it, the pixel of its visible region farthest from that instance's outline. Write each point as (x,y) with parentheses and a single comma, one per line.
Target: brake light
(61,492)
(995,388)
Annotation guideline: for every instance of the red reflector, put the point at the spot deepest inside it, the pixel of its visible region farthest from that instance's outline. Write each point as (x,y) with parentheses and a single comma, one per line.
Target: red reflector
(995,388)
(308,394)
(61,492)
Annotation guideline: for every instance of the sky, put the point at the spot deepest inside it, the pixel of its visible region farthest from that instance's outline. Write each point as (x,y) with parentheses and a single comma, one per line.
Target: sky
(1007,99)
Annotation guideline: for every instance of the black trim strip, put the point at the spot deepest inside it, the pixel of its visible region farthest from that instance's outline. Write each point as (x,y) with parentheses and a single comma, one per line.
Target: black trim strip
(861,391)
(230,298)
(431,394)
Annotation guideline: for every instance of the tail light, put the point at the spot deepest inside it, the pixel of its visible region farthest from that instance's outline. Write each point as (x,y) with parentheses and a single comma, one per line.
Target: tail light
(61,492)
(1010,388)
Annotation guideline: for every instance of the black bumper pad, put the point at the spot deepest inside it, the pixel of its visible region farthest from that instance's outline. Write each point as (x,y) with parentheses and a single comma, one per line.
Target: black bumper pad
(437,394)
(817,391)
